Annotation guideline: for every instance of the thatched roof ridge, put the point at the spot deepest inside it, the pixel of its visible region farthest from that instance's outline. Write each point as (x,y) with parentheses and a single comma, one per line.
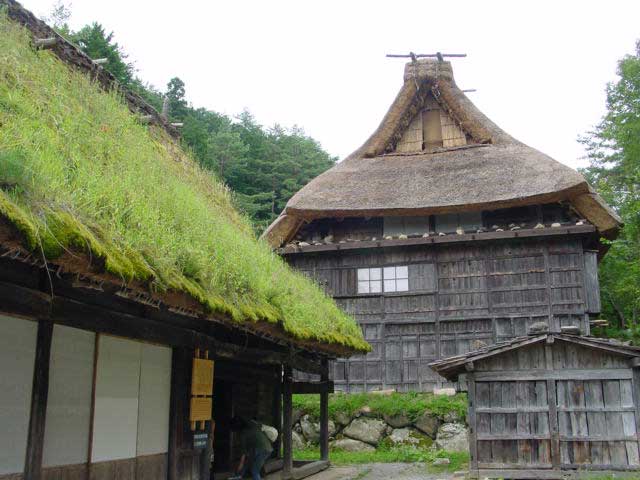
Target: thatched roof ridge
(493,171)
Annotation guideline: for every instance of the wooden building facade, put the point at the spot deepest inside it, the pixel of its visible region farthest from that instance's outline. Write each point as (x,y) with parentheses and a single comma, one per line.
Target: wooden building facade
(551,406)
(443,234)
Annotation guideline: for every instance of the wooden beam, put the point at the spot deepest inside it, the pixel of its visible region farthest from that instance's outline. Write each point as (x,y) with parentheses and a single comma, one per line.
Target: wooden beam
(175,414)
(325,386)
(324,415)
(39,393)
(27,302)
(287,423)
(450,238)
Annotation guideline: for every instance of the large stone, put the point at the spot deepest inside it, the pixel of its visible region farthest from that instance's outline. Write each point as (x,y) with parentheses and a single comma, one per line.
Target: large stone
(311,429)
(428,423)
(369,430)
(297,441)
(296,415)
(403,436)
(453,437)
(397,421)
(342,419)
(351,445)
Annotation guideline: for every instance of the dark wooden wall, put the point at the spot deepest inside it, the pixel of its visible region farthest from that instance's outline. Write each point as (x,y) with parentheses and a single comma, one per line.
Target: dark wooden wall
(557,406)
(461,297)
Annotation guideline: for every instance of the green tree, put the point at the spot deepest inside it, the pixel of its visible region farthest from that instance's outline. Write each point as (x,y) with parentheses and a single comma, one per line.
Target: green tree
(96,43)
(614,152)
(178,107)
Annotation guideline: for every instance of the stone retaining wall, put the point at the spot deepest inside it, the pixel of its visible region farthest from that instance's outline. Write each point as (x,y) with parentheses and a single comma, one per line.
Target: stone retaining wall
(366,430)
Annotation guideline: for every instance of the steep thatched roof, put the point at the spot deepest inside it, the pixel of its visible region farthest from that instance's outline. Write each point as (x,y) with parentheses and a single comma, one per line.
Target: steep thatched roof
(88,189)
(492,170)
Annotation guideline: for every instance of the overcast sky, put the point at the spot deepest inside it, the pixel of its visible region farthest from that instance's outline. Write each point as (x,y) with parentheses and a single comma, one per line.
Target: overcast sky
(539,67)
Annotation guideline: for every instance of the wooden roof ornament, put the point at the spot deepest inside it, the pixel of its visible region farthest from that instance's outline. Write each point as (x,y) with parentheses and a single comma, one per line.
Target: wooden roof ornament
(489,170)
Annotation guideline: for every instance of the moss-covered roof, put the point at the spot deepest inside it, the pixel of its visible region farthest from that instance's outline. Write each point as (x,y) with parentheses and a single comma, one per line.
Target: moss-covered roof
(82,176)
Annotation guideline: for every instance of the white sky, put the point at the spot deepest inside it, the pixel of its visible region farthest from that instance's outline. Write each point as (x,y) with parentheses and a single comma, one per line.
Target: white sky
(539,67)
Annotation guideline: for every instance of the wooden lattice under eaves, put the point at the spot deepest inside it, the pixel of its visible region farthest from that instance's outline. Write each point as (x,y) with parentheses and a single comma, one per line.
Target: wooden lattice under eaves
(551,406)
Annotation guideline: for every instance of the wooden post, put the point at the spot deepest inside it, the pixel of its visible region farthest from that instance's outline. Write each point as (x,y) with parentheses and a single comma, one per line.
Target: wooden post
(473,425)
(324,415)
(277,417)
(287,423)
(39,393)
(553,409)
(175,412)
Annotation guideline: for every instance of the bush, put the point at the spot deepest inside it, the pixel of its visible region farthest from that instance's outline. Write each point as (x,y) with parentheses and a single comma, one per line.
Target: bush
(411,404)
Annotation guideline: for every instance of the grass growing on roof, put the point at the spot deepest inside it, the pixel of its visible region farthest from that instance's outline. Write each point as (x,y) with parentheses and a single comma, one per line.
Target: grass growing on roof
(79,173)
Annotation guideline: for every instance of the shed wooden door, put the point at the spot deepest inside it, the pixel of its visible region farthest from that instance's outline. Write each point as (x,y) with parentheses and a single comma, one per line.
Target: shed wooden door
(512,424)
(596,424)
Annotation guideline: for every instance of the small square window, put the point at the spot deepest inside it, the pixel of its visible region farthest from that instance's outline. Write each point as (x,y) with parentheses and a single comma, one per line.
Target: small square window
(402,272)
(390,285)
(402,285)
(375,286)
(389,272)
(375,274)
(363,287)
(363,274)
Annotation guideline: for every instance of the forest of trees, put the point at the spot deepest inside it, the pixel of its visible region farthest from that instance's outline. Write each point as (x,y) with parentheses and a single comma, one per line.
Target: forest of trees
(614,153)
(264,167)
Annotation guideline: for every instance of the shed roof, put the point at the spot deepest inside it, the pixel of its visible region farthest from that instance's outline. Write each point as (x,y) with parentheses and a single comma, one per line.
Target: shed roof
(492,171)
(87,187)
(451,367)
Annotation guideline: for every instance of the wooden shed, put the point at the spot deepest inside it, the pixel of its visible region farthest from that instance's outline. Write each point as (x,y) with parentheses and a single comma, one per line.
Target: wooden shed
(551,406)
(137,308)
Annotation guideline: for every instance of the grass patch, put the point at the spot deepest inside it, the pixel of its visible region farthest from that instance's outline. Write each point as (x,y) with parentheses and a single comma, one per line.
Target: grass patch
(80,174)
(411,404)
(398,454)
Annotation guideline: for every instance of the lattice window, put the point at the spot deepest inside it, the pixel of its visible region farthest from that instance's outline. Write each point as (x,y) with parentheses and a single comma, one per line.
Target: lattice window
(387,279)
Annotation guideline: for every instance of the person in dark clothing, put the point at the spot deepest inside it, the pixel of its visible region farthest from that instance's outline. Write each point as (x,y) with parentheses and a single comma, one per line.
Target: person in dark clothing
(256,447)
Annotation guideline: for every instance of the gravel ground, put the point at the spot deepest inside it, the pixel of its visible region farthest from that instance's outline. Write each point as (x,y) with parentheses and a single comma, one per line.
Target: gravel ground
(382,471)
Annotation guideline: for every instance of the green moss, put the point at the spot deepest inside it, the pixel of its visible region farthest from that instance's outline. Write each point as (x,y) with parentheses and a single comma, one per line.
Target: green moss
(411,404)
(79,174)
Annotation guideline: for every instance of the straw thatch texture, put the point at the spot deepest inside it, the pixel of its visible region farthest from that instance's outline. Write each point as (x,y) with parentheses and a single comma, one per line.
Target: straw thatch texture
(493,171)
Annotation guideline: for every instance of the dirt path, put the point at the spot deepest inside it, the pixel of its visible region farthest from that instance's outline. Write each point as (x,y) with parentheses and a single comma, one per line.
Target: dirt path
(381,471)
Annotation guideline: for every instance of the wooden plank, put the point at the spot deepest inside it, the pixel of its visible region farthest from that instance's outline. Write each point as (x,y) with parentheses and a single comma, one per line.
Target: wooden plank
(552,404)
(610,374)
(325,386)
(287,423)
(473,424)
(469,237)
(309,469)
(39,393)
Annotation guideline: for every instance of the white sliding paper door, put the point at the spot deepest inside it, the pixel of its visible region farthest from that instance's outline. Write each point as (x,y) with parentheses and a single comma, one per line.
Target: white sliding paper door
(17,358)
(153,408)
(116,403)
(66,439)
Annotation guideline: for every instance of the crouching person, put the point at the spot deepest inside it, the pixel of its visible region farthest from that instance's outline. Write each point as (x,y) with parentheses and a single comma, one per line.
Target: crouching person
(256,447)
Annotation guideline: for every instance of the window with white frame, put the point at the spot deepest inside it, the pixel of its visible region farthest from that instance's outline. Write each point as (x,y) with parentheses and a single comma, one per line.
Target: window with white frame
(396,279)
(370,280)
(387,279)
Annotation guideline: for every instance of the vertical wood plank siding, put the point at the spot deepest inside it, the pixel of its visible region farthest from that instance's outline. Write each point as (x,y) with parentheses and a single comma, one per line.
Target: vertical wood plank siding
(535,409)
(460,298)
